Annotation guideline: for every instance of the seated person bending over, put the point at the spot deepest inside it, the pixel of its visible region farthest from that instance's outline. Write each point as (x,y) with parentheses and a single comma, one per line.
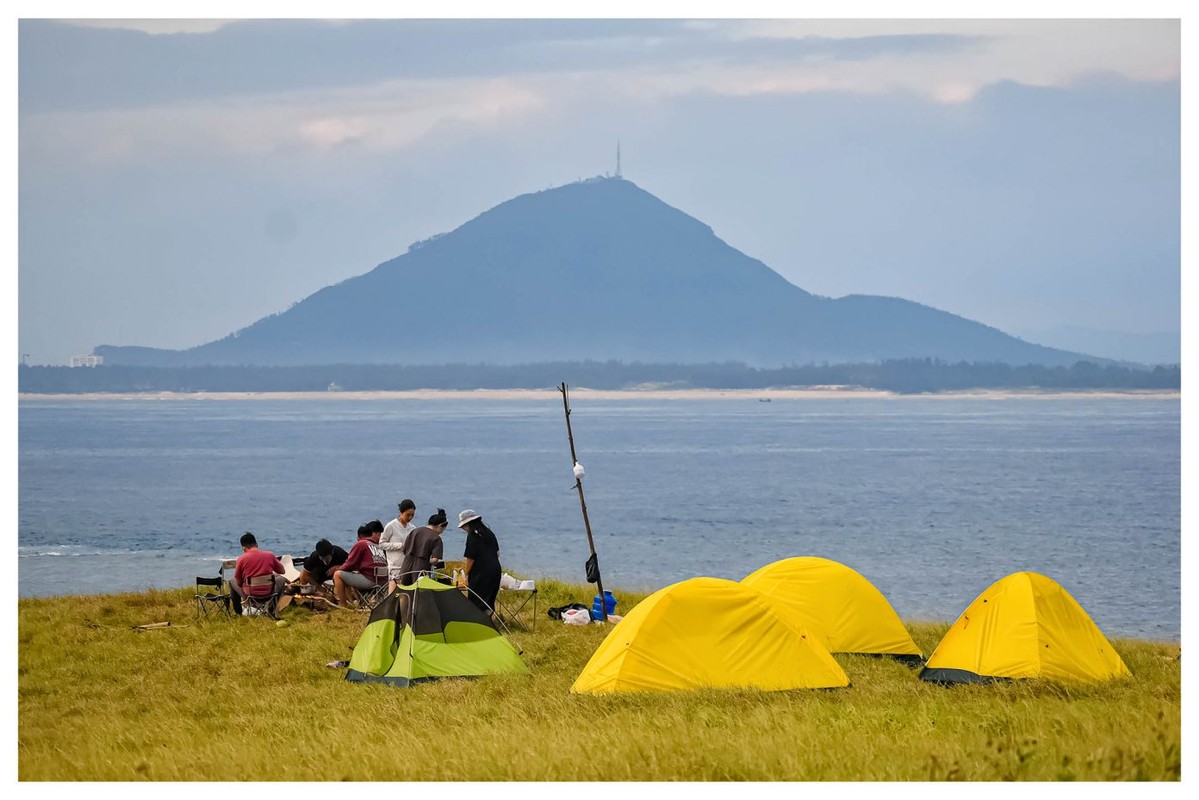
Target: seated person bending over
(254,567)
(320,565)
(423,549)
(358,571)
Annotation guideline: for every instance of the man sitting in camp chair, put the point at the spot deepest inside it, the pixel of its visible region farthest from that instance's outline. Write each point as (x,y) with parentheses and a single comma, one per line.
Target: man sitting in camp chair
(316,571)
(365,567)
(258,573)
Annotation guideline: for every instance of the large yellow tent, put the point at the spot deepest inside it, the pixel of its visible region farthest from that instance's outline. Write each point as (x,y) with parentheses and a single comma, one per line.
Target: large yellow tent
(707,633)
(1024,626)
(837,605)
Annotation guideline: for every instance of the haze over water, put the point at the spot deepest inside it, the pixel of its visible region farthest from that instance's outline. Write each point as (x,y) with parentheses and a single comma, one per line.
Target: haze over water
(931,498)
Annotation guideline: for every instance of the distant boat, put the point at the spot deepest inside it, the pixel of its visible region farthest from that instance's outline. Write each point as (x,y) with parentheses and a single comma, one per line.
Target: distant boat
(332,387)
(763,399)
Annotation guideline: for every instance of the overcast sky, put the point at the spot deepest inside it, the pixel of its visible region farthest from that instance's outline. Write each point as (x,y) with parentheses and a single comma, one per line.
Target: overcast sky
(179,180)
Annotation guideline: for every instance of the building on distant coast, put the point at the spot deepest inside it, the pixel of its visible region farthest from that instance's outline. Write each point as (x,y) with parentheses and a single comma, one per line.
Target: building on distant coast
(87,361)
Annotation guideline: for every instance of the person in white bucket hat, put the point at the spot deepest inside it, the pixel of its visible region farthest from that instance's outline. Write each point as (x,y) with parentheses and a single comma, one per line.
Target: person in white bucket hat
(482,556)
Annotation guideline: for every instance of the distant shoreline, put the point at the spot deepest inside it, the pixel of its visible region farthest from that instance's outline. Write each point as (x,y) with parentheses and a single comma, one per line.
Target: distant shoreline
(649,393)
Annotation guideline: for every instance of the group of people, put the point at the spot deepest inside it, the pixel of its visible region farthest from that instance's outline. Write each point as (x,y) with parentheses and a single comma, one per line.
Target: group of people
(392,554)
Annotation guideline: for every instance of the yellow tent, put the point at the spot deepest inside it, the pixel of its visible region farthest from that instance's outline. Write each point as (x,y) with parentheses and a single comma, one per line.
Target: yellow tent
(707,633)
(837,605)
(1024,626)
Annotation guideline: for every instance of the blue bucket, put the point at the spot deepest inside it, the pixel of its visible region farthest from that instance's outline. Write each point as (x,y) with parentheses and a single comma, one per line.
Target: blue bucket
(609,605)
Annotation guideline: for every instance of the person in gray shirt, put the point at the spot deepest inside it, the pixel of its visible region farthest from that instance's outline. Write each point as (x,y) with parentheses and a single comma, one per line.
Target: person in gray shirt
(423,549)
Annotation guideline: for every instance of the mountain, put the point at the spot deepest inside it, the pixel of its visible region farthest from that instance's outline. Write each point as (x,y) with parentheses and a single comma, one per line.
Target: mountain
(598,269)
(1159,347)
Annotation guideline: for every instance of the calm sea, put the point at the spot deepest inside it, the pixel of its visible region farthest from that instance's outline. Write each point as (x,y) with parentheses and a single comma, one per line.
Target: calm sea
(931,498)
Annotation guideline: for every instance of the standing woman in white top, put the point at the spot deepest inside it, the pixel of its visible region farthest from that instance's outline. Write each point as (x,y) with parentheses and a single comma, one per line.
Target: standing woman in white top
(393,536)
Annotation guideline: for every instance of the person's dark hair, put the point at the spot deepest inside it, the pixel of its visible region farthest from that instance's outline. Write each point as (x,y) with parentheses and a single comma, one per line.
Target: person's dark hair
(248,540)
(477,526)
(363,531)
(438,518)
(324,547)
(406,504)
(374,526)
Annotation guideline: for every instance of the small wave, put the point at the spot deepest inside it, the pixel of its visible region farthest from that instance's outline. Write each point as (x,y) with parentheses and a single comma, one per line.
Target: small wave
(65,552)
(69,552)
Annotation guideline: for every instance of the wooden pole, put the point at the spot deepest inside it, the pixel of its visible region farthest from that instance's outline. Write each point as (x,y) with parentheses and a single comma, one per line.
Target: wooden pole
(599,582)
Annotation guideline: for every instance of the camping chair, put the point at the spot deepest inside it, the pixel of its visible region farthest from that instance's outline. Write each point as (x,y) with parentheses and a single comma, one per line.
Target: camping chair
(291,568)
(227,571)
(253,606)
(372,597)
(210,592)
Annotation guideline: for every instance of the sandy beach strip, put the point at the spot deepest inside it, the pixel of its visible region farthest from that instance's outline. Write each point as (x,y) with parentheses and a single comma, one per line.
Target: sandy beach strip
(646,393)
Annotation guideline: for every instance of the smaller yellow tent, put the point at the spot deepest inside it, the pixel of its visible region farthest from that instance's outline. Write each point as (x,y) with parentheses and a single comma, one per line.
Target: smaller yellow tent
(707,633)
(837,605)
(1024,626)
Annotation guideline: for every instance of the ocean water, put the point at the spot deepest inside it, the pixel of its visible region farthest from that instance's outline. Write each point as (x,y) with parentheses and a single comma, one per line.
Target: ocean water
(931,498)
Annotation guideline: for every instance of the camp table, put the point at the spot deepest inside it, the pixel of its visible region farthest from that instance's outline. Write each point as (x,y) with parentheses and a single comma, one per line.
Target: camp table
(512,604)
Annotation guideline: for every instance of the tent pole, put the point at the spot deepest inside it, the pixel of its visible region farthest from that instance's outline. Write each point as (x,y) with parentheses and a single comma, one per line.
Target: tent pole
(599,582)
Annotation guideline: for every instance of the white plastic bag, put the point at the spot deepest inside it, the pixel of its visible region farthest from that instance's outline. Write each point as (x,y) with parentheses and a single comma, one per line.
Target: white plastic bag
(576,616)
(509,582)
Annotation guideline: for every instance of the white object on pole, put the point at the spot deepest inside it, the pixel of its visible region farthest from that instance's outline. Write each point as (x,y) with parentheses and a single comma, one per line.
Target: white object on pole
(578,471)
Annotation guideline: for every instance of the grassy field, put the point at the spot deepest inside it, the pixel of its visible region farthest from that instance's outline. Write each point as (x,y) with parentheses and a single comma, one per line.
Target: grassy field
(245,700)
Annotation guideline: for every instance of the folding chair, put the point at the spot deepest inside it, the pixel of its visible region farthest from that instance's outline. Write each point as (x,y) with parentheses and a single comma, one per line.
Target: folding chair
(291,568)
(227,571)
(372,597)
(255,606)
(209,593)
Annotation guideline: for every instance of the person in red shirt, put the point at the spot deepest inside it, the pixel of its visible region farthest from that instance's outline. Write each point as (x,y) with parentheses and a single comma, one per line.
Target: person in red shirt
(254,563)
(358,571)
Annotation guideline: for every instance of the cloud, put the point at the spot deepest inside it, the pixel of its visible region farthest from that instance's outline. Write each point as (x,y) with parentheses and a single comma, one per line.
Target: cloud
(333,130)
(68,66)
(382,117)
(302,90)
(1034,52)
(156,27)
(71,67)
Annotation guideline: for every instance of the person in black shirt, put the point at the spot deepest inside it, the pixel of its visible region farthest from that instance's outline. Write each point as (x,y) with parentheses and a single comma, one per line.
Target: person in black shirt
(482,560)
(321,564)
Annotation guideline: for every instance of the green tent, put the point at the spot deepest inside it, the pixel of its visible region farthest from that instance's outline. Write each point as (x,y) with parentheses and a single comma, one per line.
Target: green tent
(429,630)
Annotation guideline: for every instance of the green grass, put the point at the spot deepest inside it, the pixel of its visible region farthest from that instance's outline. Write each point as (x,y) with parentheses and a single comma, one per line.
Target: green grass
(244,700)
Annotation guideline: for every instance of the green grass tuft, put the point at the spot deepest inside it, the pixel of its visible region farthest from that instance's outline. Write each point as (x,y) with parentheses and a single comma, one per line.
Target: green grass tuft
(244,700)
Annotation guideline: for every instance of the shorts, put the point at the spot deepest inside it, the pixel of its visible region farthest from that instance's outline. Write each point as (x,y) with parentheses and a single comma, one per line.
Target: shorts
(357,580)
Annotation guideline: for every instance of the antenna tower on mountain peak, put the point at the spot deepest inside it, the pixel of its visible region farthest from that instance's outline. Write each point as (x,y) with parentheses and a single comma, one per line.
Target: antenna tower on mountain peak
(618,158)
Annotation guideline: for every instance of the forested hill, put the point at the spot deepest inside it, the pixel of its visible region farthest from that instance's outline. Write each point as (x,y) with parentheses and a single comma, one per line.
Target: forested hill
(600,270)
